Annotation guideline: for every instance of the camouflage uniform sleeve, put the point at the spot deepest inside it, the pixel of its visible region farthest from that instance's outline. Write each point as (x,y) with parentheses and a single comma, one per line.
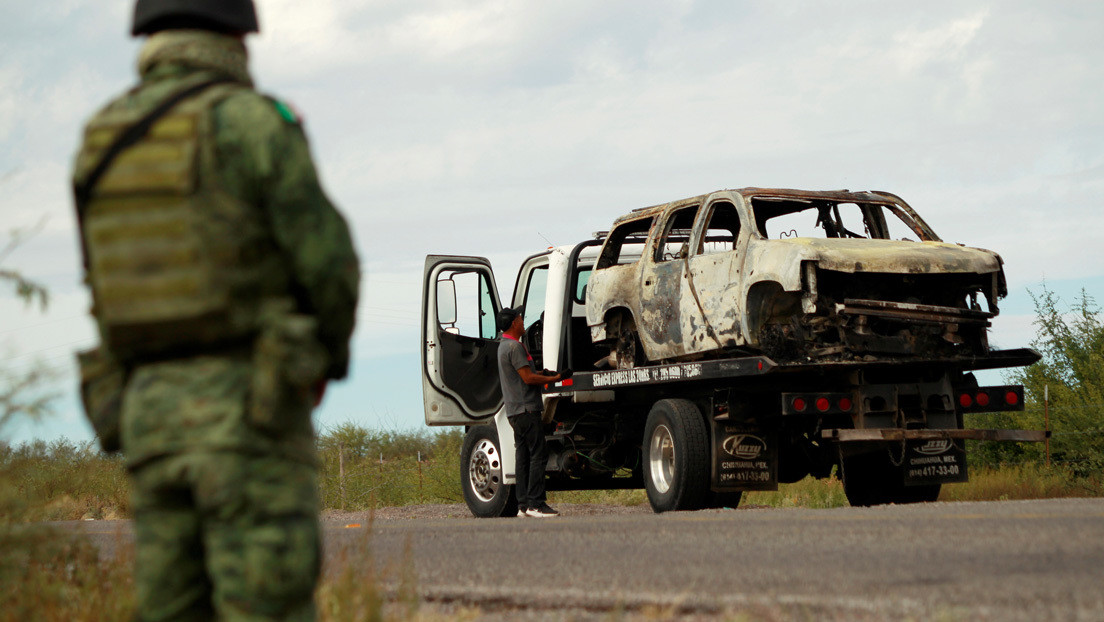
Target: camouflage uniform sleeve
(267,162)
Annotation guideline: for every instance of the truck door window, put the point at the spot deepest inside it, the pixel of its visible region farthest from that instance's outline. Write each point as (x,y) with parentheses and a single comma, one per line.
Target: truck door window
(581,280)
(722,230)
(614,252)
(488,311)
(672,245)
(471,312)
(534,295)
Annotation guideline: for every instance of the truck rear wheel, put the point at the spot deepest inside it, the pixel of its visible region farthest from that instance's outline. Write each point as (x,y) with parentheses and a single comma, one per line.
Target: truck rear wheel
(872,479)
(485,490)
(676,457)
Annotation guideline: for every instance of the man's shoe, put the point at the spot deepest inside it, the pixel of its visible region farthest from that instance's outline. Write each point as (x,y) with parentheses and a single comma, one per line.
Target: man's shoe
(522,512)
(542,511)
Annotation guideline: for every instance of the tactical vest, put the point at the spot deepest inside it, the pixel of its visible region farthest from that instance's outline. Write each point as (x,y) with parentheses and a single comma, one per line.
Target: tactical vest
(175,262)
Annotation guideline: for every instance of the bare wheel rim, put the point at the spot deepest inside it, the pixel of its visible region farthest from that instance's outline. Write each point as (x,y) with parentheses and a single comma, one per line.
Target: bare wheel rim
(661,458)
(485,470)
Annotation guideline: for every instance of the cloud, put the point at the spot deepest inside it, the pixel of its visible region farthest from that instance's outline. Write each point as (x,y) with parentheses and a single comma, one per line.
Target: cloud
(482,127)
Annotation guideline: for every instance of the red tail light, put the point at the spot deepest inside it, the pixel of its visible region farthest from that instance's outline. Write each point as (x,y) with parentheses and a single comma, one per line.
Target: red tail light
(823,404)
(982,399)
(1011,398)
(799,404)
(965,400)
(845,404)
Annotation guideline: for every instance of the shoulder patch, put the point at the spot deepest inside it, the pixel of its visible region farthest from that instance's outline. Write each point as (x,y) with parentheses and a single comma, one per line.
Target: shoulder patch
(287,111)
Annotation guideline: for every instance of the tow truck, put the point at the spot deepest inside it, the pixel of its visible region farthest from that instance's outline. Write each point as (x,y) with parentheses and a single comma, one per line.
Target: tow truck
(694,434)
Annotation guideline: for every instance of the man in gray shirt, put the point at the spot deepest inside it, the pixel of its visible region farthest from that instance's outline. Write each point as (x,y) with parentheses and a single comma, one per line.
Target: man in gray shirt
(521,392)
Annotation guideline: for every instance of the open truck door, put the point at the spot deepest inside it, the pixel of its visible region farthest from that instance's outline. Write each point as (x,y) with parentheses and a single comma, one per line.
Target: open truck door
(460,306)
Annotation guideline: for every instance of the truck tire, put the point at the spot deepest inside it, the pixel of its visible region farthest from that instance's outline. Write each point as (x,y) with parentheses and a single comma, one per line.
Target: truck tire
(871,479)
(676,457)
(485,491)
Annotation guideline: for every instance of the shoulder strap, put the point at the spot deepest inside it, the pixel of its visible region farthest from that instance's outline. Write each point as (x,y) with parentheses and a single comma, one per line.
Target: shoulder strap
(134,133)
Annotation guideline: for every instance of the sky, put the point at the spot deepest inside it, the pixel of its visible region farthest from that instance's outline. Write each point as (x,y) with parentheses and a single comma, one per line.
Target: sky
(497,127)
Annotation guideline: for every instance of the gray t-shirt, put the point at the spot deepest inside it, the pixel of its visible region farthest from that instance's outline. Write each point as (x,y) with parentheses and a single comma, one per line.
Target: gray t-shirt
(519,397)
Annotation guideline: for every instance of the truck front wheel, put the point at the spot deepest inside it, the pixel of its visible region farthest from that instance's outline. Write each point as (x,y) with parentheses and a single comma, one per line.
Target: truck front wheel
(485,491)
(676,456)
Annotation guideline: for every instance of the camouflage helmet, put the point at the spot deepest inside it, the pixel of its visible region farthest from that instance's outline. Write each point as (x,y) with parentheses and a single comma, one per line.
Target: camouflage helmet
(230,16)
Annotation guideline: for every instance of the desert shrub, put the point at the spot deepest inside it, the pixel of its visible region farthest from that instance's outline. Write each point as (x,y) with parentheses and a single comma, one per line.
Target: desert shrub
(61,480)
(353,476)
(1071,374)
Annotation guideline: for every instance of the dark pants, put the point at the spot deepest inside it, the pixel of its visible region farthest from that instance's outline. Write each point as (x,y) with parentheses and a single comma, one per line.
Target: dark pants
(531,456)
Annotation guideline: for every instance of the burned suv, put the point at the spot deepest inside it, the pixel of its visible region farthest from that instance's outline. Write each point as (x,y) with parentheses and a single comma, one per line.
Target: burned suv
(793,274)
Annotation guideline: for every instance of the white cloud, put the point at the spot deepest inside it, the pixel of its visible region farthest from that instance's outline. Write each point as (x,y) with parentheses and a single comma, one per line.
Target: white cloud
(917,48)
(477,126)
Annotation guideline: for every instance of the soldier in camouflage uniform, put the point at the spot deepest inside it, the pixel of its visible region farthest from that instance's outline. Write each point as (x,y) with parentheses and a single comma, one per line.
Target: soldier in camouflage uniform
(224,284)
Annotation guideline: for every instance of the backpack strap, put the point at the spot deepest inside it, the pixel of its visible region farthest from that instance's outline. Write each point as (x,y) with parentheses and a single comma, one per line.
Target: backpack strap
(83,191)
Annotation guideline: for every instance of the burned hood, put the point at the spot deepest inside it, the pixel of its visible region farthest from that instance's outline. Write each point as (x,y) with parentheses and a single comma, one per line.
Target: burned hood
(890,256)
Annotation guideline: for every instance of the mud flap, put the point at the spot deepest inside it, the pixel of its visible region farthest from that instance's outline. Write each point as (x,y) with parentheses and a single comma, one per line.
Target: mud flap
(937,461)
(744,457)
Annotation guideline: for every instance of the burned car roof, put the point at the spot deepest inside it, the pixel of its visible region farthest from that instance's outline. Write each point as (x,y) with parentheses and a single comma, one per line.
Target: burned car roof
(839,196)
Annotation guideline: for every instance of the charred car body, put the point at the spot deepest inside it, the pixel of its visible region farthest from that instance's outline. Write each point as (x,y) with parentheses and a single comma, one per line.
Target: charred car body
(794,274)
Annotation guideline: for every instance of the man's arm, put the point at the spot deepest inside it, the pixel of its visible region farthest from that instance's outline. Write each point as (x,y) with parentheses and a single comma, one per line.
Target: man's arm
(528,376)
(269,155)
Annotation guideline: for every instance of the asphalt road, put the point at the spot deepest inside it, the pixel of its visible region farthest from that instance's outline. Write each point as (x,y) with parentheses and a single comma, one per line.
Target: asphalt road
(1011,560)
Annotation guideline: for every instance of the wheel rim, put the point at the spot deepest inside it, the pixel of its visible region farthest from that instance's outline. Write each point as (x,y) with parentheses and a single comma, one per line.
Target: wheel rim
(661,458)
(485,470)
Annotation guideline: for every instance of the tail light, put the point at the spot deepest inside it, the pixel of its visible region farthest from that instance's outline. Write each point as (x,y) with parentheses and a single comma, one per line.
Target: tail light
(816,403)
(989,399)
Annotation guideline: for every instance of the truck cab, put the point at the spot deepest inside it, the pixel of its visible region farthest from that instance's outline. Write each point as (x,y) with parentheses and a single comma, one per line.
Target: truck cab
(460,371)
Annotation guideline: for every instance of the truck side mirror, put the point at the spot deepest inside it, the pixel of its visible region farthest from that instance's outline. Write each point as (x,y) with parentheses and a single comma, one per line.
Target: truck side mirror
(446,302)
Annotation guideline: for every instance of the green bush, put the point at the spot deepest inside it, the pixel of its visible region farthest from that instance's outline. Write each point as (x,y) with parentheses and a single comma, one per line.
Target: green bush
(63,481)
(353,476)
(1071,373)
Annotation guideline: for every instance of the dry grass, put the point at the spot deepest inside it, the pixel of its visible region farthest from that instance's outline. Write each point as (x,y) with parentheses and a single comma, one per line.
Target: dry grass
(1026,481)
(49,576)
(807,493)
(65,481)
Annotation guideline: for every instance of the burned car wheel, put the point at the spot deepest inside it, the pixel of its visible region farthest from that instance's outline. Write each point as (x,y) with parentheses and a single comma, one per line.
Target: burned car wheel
(627,351)
(485,491)
(676,457)
(872,479)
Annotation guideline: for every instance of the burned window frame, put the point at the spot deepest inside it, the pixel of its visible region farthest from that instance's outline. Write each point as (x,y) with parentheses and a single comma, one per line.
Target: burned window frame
(874,218)
(659,254)
(701,232)
(615,241)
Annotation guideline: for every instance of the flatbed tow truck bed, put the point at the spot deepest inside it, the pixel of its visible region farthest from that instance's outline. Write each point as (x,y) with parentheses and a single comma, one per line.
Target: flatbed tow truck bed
(744,368)
(740,371)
